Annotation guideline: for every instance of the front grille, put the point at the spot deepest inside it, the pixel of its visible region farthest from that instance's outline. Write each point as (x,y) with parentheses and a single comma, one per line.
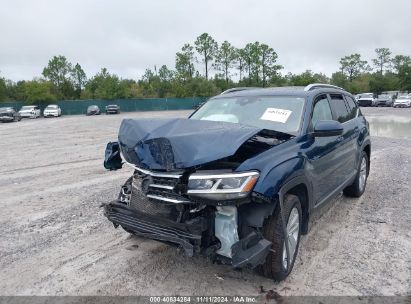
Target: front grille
(155,195)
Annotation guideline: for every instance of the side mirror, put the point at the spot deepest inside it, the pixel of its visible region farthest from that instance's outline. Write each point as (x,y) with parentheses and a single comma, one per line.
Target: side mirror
(326,128)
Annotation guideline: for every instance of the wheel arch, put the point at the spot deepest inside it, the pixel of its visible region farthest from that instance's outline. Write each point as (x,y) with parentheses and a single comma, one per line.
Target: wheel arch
(299,187)
(367,150)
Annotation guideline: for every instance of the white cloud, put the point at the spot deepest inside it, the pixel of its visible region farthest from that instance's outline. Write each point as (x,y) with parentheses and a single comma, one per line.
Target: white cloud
(128,36)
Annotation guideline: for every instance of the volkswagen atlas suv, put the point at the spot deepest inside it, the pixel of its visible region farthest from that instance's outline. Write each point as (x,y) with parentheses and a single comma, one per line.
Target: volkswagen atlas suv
(239,180)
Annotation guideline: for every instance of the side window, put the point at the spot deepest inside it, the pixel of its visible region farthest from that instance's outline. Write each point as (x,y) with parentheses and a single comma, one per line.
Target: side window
(339,108)
(352,107)
(321,111)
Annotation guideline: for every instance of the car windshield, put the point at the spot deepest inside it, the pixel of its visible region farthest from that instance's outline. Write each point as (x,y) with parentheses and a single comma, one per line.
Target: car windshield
(92,107)
(403,97)
(27,108)
(52,107)
(279,113)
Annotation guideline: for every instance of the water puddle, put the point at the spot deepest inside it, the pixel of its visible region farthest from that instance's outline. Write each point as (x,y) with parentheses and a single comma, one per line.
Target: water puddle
(390,126)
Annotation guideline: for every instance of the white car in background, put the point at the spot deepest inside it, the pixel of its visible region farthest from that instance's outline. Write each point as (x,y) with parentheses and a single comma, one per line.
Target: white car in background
(30,112)
(402,102)
(366,99)
(52,111)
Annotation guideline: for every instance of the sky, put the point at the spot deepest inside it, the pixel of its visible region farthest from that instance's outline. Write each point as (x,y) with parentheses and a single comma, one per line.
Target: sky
(128,36)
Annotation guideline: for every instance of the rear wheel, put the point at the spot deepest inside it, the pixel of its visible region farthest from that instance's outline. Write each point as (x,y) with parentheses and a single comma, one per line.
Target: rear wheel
(276,266)
(357,188)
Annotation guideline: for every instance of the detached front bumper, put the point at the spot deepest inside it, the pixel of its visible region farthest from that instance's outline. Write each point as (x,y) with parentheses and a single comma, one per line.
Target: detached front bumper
(187,236)
(251,250)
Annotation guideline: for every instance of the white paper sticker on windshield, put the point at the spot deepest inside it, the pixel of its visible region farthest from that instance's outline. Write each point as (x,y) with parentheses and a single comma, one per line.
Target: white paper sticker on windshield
(279,115)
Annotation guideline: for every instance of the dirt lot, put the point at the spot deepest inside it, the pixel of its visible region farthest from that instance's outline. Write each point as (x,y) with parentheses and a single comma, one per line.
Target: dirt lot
(54,239)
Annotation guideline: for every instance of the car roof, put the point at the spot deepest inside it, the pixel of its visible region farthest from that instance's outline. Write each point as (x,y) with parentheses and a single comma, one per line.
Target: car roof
(298,91)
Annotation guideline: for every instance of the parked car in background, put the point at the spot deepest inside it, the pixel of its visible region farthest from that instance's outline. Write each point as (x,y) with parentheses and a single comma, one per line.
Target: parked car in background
(384,100)
(8,114)
(93,110)
(240,179)
(402,102)
(366,100)
(112,109)
(52,111)
(30,111)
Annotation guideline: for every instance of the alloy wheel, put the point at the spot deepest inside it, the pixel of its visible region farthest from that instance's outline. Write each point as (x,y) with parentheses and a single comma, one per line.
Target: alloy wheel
(293,231)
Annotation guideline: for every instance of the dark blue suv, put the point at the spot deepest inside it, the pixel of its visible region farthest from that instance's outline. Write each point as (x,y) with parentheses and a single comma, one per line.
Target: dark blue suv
(239,180)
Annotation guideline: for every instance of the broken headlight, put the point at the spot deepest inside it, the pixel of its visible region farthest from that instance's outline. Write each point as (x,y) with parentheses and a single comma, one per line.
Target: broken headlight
(222,186)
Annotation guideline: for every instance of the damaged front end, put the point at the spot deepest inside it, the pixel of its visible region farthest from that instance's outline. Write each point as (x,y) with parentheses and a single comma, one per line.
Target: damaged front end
(187,193)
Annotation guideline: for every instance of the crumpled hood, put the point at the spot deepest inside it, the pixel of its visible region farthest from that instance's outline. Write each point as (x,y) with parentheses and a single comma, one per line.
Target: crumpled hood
(169,144)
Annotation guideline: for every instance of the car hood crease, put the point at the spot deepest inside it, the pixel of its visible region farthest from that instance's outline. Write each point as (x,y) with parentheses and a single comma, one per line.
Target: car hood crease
(170,144)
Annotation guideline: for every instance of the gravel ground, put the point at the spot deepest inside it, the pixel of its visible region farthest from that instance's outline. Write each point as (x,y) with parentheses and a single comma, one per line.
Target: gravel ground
(54,239)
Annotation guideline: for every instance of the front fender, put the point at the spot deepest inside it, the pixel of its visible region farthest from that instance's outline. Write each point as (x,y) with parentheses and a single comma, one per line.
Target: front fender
(271,188)
(274,179)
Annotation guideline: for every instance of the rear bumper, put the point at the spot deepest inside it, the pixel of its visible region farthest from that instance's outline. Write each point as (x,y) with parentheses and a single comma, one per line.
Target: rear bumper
(6,118)
(187,236)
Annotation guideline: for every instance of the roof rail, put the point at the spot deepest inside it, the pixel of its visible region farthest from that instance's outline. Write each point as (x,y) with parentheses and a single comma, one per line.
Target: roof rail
(238,90)
(321,85)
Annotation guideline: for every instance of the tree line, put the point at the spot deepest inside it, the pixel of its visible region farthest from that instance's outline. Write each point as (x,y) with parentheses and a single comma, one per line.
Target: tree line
(255,64)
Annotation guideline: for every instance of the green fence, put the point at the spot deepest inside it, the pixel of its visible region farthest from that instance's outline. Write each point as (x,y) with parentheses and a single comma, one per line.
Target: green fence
(73,107)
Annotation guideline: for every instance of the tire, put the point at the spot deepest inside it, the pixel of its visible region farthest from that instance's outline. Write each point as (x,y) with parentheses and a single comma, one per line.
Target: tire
(272,230)
(357,188)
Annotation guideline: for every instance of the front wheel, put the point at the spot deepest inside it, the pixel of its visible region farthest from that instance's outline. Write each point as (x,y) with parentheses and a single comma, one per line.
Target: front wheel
(276,265)
(357,188)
